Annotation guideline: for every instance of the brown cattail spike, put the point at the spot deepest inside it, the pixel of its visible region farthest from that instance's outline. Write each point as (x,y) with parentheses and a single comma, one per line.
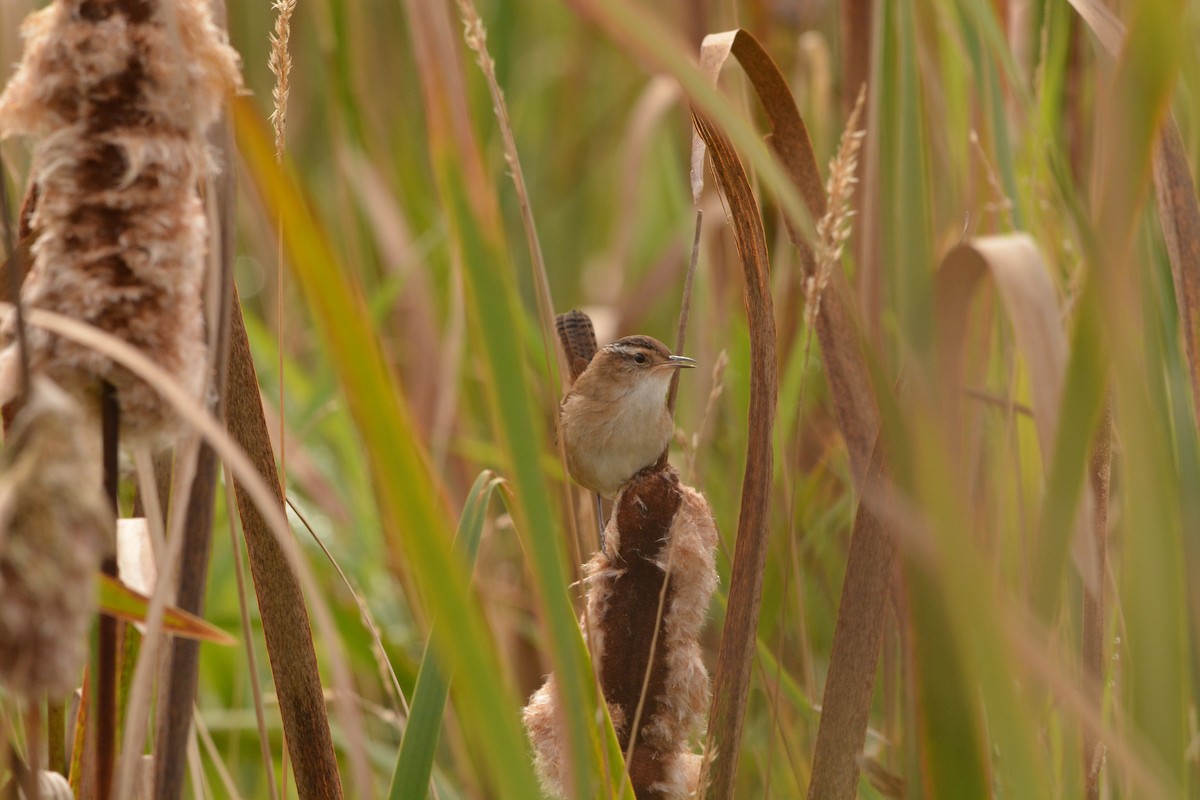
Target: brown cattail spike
(55,526)
(578,339)
(651,670)
(119,94)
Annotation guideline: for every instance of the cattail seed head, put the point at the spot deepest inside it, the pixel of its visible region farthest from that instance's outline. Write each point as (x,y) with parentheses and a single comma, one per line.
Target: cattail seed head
(120,94)
(660,530)
(55,527)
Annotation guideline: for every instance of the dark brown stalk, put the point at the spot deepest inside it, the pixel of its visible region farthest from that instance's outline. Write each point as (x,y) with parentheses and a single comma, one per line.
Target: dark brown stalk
(858,636)
(731,681)
(857,21)
(1093,603)
(286,627)
(175,707)
(856,49)
(648,596)
(33,733)
(105,690)
(855,644)
(644,518)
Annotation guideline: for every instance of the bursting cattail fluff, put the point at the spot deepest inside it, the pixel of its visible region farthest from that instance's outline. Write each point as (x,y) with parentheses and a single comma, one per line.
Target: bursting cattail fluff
(119,94)
(55,527)
(660,530)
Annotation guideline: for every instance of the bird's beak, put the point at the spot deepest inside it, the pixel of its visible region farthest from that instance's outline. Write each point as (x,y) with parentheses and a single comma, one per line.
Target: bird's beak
(679,361)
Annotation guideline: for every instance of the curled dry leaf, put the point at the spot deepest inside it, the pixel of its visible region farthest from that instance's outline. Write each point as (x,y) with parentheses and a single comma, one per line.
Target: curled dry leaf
(1015,267)
(845,365)
(661,532)
(1014,264)
(738,640)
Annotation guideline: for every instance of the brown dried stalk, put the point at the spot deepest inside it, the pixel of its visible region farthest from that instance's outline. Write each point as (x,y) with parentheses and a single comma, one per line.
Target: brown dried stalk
(286,626)
(177,701)
(859,629)
(739,637)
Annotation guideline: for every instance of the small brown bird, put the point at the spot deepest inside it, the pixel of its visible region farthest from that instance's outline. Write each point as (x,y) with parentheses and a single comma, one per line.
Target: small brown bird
(615,421)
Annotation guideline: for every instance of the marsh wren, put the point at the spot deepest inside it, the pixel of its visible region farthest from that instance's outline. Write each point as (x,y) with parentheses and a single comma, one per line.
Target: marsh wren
(615,421)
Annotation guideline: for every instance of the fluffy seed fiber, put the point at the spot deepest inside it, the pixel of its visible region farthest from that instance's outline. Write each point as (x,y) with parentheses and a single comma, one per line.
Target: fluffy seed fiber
(55,527)
(656,520)
(120,94)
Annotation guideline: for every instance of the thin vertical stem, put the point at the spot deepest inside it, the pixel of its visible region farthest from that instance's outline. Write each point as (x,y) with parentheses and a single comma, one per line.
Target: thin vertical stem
(183,659)
(105,693)
(33,732)
(1093,602)
(16,276)
(685,307)
(260,717)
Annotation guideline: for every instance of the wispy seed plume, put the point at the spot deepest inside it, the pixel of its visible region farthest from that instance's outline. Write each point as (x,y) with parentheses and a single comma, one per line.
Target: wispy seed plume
(833,229)
(280,62)
(119,94)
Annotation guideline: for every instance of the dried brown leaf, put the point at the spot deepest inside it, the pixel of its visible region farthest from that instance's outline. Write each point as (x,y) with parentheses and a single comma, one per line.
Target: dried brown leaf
(1103,22)
(859,630)
(1015,266)
(286,626)
(732,677)
(850,683)
(845,367)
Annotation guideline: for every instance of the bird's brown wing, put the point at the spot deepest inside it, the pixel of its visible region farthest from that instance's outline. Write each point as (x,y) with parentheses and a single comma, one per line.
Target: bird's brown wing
(578,339)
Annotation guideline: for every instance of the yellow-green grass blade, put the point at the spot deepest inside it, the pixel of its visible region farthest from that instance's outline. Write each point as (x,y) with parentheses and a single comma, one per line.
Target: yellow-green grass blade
(119,601)
(1083,398)
(906,186)
(414,762)
(947,715)
(1152,597)
(411,502)
(497,318)
(969,628)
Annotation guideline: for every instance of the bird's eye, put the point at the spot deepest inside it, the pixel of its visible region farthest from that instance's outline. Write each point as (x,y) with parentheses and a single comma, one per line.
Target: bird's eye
(640,358)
